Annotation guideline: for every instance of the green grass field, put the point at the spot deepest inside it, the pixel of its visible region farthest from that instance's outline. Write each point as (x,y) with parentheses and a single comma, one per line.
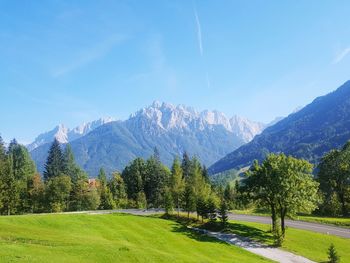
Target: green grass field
(308,244)
(109,238)
(337,221)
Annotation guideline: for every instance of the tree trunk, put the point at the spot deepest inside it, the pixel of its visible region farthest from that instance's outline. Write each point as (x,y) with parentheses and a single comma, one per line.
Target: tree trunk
(343,205)
(178,208)
(283,214)
(274,218)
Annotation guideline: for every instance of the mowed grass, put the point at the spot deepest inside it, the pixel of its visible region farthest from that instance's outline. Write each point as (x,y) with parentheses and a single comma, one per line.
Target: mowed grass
(109,238)
(305,243)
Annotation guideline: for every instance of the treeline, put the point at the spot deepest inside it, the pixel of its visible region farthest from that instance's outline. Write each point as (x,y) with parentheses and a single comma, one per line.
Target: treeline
(64,186)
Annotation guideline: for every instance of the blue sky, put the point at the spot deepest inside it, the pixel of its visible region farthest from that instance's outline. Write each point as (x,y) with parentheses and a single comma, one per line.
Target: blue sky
(74,61)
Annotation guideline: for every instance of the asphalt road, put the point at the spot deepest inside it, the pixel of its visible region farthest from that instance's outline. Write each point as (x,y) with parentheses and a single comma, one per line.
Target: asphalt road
(315,227)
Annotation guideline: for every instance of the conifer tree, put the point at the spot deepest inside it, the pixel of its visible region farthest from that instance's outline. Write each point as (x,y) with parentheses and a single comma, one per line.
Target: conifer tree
(177,184)
(9,193)
(2,149)
(55,164)
(223,209)
(106,197)
(186,165)
(333,255)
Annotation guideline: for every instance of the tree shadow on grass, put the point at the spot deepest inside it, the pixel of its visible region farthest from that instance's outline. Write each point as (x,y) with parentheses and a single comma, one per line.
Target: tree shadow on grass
(193,234)
(250,232)
(247,232)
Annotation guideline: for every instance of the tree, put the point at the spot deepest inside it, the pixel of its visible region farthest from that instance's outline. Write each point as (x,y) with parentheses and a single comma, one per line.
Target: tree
(55,163)
(134,176)
(70,167)
(2,149)
(211,208)
(223,213)
(189,199)
(141,201)
(334,177)
(36,190)
(155,180)
(79,192)
(9,193)
(117,187)
(57,193)
(186,165)
(168,201)
(23,169)
(106,197)
(285,185)
(177,184)
(333,255)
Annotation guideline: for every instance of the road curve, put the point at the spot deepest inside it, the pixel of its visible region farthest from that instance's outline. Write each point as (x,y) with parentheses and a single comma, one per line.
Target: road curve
(315,227)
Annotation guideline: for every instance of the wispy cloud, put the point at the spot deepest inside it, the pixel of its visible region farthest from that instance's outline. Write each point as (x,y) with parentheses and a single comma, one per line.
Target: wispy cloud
(199,31)
(341,55)
(88,55)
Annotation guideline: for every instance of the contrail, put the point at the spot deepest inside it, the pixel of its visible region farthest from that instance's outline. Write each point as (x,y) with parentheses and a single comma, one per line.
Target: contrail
(199,31)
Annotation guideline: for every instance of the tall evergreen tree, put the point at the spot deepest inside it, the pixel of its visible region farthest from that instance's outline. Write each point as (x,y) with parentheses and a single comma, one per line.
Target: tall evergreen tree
(70,168)
(106,197)
(23,169)
(2,149)
(177,184)
(134,176)
(186,165)
(55,163)
(9,193)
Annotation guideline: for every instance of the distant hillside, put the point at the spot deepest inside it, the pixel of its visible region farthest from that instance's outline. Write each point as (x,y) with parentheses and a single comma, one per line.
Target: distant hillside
(209,135)
(308,133)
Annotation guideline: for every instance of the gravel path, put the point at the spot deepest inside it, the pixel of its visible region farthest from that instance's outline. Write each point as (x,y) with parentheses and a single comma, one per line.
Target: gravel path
(272,253)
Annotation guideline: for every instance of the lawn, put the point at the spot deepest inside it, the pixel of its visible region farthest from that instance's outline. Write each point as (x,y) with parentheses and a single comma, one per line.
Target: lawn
(109,238)
(308,244)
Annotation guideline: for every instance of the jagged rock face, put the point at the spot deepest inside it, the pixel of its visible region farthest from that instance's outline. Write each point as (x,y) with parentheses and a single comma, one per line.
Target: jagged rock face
(172,129)
(65,135)
(307,133)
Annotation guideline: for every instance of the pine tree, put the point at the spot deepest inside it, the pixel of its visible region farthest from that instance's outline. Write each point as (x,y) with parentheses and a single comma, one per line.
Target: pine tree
(9,193)
(70,168)
(2,149)
(333,255)
(211,208)
(186,165)
(23,169)
(223,213)
(106,197)
(177,184)
(134,176)
(168,201)
(55,164)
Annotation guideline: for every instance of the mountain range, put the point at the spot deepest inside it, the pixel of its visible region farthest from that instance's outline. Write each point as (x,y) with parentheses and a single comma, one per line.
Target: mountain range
(307,133)
(209,135)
